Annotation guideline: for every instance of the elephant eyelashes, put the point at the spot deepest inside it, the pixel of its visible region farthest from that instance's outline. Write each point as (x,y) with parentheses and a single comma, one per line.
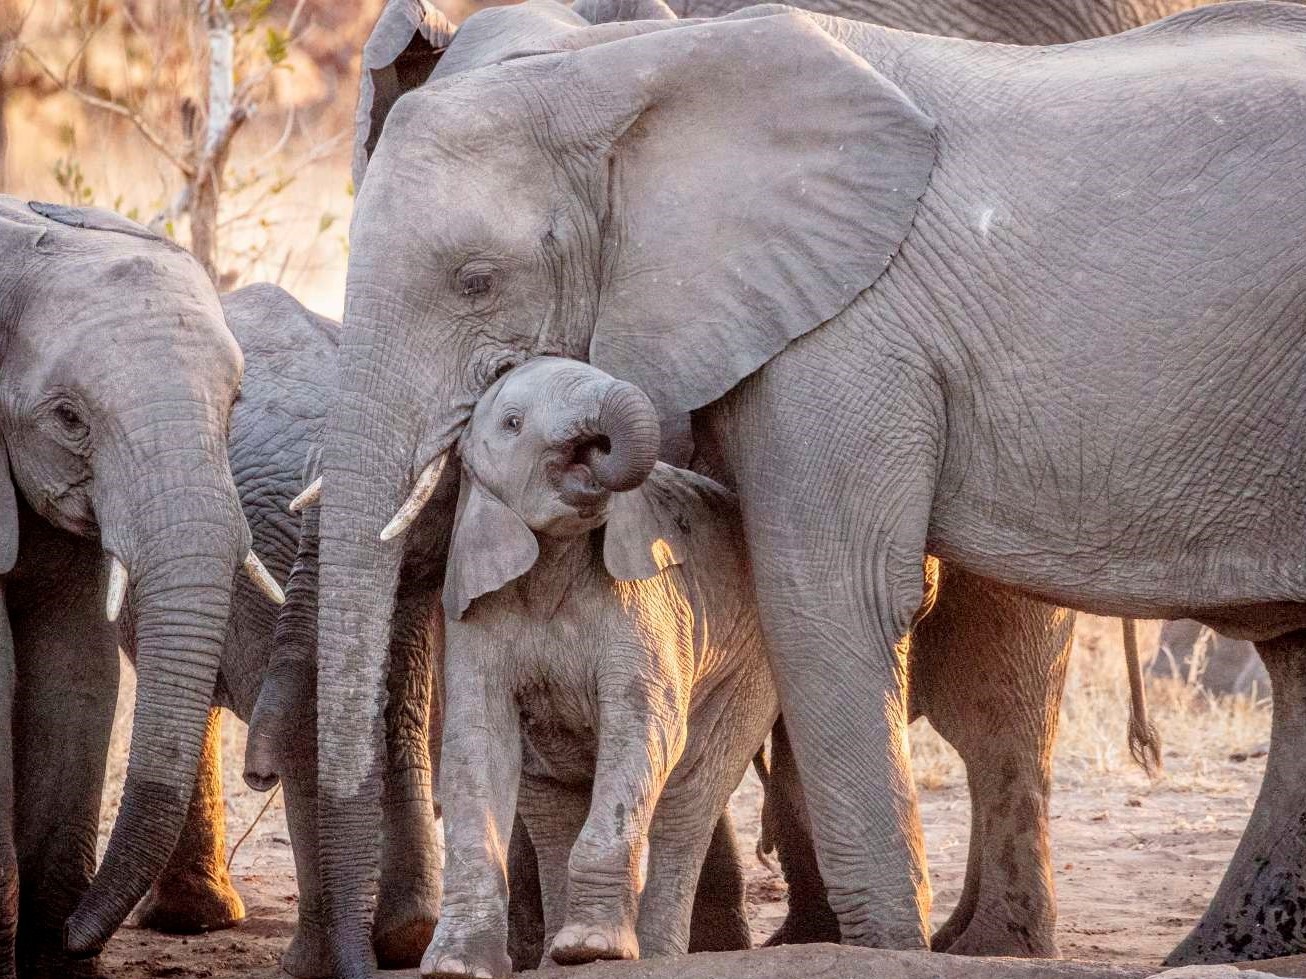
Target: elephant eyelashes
(69,421)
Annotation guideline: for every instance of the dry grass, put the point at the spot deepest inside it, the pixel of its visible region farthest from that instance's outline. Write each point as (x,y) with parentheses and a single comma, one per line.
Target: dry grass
(1199,732)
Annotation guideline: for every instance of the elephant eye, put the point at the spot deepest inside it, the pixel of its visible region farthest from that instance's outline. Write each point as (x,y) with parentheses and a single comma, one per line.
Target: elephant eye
(69,420)
(512,422)
(475,283)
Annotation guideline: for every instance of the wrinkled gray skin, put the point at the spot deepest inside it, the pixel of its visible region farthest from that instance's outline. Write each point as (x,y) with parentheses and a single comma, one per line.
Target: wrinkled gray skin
(606,673)
(117,383)
(961,308)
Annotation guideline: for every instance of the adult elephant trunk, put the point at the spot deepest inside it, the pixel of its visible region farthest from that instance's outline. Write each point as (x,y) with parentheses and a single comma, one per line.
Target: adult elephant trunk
(629,423)
(373,455)
(171,517)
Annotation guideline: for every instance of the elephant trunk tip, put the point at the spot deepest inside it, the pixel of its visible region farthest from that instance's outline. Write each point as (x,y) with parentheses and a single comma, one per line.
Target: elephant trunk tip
(85,934)
(260,763)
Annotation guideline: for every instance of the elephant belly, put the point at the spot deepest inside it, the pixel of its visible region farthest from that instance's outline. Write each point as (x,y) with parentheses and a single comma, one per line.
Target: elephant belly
(559,737)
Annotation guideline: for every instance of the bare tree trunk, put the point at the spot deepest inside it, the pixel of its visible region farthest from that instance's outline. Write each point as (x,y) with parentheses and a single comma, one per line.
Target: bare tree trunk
(225,117)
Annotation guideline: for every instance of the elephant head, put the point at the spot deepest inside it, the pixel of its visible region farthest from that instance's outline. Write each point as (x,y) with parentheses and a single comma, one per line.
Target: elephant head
(117,378)
(671,201)
(554,448)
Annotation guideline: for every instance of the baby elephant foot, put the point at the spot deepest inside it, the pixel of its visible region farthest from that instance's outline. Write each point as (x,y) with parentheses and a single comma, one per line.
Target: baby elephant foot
(584,941)
(449,960)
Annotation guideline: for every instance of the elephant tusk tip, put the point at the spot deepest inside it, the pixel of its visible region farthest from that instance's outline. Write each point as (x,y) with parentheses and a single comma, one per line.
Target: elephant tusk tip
(394,528)
(263,579)
(311,496)
(117,589)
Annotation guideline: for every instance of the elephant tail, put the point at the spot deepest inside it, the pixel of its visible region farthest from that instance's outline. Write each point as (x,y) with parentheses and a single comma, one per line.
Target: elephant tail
(1144,741)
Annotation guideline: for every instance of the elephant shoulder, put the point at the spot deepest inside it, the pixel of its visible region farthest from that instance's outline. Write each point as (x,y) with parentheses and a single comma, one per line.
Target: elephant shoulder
(1233,18)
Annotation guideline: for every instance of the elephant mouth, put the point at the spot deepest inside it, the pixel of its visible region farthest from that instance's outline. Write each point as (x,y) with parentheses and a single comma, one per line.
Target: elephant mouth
(573,477)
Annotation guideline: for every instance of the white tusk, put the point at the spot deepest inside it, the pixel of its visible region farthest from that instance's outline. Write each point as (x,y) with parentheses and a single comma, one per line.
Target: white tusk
(262,577)
(422,491)
(117,588)
(311,496)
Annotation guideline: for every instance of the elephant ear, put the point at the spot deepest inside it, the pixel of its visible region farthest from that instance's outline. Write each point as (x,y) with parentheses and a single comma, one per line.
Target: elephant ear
(491,546)
(8,517)
(761,176)
(399,55)
(643,535)
(96,219)
(610,11)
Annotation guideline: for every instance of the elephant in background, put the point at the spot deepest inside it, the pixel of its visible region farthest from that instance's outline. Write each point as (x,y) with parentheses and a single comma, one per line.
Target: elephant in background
(117,381)
(893,265)
(1195,654)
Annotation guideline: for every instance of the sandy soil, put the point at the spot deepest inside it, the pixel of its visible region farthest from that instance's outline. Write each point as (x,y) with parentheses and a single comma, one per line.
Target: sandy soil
(1135,860)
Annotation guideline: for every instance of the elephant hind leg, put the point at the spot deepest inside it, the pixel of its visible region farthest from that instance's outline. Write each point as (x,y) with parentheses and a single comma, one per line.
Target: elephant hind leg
(987,669)
(194,893)
(720,917)
(1259,910)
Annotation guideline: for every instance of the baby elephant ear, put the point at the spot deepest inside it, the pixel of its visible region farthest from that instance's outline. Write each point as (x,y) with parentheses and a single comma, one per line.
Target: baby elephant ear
(400,54)
(491,546)
(643,536)
(8,517)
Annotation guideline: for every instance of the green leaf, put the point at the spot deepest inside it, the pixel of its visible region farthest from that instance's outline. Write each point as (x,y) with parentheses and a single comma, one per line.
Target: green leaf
(276,46)
(325,221)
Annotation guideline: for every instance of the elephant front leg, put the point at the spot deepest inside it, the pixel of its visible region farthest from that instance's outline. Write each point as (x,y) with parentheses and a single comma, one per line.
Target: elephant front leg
(836,524)
(194,893)
(64,702)
(1259,910)
(480,767)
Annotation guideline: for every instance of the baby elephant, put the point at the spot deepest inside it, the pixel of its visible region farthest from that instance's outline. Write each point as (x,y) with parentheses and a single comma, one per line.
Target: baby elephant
(604,671)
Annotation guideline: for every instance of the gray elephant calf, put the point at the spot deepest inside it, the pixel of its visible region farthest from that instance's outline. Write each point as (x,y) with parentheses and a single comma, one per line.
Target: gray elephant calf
(602,659)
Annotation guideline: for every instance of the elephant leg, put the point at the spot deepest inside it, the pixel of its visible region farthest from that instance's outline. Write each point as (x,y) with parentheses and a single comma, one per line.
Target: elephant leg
(553,815)
(987,669)
(1259,910)
(838,584)
(525,901)
(65,693)
(784,820)
(720,917)
(408,902)
(194,893)
(8,856)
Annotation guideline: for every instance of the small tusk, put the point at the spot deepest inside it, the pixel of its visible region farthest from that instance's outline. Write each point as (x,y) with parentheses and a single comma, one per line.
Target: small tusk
(117,588)
(262,577)
(422,491)
(311,496)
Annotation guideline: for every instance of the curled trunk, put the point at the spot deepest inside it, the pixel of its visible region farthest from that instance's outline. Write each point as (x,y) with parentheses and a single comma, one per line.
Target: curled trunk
(182,564)
(629,423)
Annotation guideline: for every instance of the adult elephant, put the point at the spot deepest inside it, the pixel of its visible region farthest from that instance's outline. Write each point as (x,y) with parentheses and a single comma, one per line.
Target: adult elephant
(116,382)
(959,306)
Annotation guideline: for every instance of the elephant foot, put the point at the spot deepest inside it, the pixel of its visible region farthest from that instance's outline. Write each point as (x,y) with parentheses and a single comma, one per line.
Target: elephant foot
(466,960)
(400,944)
(806,924)
(723,929)
(309,955)
(52,963)
(184,905)
(580,942)
(1261,916)
(1008,939)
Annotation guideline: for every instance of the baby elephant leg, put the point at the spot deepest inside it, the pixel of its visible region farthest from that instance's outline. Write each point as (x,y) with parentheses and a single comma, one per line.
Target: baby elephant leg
(194,893)
(480,765)
(695,798)
(553,815)
(638,742)
(720,917)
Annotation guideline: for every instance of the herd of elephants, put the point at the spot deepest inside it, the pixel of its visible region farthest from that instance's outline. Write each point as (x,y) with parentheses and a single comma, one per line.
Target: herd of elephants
(694,358)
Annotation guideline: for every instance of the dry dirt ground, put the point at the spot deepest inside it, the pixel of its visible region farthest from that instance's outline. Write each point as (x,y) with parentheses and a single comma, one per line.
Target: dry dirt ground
(1135,860)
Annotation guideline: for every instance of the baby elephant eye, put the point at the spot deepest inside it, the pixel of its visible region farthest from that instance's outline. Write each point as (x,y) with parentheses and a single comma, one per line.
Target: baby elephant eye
(475,283)
(512,422)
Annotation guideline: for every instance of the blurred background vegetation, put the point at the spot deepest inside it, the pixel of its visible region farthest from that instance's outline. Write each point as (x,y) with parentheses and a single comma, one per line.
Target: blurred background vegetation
(224,124)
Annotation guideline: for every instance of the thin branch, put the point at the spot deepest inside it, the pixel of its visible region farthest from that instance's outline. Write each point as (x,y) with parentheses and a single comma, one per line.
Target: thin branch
(245,835)
(142,127)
